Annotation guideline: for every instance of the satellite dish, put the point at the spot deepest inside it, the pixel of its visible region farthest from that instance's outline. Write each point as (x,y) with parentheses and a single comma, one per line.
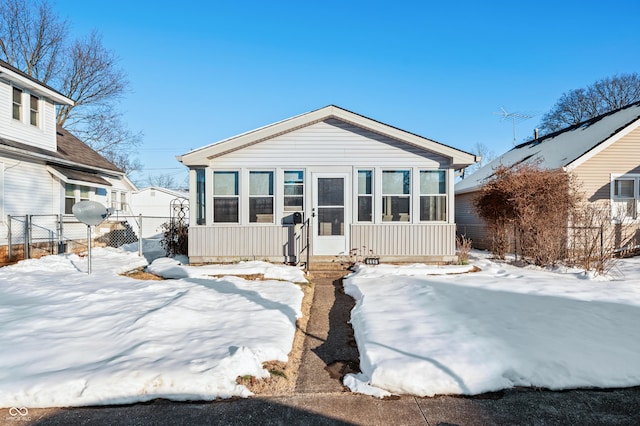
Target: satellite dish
(90,212)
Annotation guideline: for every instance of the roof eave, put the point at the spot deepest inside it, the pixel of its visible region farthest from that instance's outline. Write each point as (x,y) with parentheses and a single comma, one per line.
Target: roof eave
(36,88)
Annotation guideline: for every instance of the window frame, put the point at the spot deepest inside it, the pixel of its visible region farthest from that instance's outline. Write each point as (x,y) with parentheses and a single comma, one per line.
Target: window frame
(235,197)
(271,196)
(34,113)
(17,106)
(423,194)
(78,191)
(301,184)
(370,195)
(408,172)
(616,200)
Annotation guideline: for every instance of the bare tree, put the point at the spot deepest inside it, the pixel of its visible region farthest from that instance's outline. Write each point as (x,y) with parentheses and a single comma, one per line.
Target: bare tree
(35,40)
(162,180)
(604,95)
(486,156)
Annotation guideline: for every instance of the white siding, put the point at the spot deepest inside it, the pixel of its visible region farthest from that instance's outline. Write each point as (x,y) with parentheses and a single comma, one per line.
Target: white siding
(330,142)
(29,188)
(43,136)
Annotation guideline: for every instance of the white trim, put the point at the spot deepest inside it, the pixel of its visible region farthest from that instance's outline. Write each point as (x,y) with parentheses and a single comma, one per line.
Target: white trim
(38,88)
(65,179)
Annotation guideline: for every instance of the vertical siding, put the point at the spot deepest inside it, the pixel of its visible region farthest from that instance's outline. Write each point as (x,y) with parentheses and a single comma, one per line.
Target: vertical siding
(405,240)
(621,157)
(209,242)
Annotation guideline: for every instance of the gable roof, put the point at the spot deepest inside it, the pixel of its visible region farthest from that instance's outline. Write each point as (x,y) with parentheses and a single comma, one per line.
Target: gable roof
(566,148)
(24,80)
(201,156)
(73,149)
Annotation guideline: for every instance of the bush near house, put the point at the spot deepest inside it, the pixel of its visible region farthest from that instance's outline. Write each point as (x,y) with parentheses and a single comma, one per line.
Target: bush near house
(534,204)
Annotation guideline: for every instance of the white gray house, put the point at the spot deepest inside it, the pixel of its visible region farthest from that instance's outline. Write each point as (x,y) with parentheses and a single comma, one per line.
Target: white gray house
(44,169)
(158,205)
(353,182)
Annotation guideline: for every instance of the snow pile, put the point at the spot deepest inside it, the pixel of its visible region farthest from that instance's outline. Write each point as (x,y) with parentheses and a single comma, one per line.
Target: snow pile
(172,268)
(495,329)
(71,339)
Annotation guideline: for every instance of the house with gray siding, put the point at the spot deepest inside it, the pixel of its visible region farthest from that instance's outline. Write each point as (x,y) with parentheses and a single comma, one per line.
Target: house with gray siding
(320,185)
(44,169)
(602,153)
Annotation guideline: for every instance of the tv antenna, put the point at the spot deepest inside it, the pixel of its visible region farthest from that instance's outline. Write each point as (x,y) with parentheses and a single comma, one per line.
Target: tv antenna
(514,116)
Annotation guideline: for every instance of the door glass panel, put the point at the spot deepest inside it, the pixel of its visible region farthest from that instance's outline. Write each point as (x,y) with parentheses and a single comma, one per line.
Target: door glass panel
(330,221)
(330,192)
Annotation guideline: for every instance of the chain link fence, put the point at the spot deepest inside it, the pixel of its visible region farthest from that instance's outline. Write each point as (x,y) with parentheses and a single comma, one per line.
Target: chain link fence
(33,236)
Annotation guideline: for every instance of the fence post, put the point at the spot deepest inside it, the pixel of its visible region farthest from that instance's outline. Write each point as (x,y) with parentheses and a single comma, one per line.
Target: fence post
(140,235)
(27,236)
(9,239)
(59,230)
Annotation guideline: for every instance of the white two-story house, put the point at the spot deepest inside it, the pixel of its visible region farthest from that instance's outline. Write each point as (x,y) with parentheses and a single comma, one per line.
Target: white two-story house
(44,169)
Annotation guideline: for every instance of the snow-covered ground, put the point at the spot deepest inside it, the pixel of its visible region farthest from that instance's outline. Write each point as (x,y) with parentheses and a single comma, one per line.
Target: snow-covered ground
(70,339)
(424,333)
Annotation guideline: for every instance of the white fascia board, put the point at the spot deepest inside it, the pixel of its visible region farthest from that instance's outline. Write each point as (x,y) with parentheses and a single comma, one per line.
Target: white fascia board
(602,146)
(36,88)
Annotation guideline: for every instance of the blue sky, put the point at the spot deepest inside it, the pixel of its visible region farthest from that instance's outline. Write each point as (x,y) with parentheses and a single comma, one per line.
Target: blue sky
(201,71)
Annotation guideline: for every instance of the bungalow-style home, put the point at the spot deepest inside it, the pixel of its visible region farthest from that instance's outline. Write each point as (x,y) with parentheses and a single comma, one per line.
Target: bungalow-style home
(320,185)
(44,169)
(603,154)
(158,205)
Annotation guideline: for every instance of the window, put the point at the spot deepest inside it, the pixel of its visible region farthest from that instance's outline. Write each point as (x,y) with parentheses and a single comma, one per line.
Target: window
(625,198)
(261,197)
(293,191)
(365,196)
(200,197)
(17,103)
(33,109)
(225,197)
(396,190)
(74,194)
(115,200)
(433,195)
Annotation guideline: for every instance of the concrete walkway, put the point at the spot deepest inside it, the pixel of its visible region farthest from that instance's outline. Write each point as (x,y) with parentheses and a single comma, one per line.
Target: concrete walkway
(329,348)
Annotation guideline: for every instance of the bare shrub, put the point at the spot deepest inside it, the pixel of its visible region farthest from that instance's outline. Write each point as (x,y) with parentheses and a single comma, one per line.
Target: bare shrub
(533,203)
(175,238)
(463,247)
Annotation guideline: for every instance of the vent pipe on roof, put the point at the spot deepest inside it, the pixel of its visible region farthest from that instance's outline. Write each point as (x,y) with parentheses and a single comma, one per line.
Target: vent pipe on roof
(535,134)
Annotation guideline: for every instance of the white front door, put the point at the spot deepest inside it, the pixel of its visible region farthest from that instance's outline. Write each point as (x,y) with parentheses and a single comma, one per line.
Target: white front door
(330,204)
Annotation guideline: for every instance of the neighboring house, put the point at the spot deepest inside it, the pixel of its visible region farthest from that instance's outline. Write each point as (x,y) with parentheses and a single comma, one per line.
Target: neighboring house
(157,206)
(602,153)
(356,183)
(44,169)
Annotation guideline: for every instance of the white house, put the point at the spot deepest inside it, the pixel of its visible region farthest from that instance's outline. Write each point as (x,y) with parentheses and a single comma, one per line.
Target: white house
(44,169)
(353,182)
(157,205)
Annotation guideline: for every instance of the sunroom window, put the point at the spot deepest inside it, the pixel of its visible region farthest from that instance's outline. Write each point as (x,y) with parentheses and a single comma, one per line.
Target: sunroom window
(200,196)
(625,198)
(365,196)
(293,190)
(261,197)
(225,197)
(433,195)
(396,190)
